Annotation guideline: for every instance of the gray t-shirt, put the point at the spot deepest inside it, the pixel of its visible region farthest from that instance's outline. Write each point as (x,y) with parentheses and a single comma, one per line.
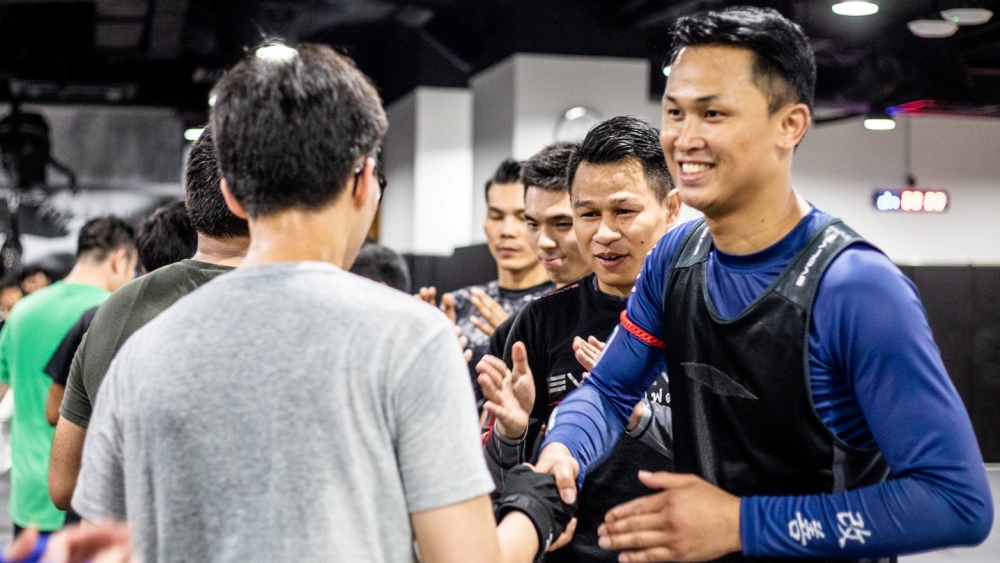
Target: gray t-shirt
(284,412)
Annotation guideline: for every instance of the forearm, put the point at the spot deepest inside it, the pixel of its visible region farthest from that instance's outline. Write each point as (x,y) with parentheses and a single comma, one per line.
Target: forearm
(52,403)
(654,429)
(518,539)
(502,454)
(64,462)
(900,516)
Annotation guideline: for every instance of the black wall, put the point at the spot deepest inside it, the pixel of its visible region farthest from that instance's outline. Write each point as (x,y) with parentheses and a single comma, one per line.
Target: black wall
(963,308)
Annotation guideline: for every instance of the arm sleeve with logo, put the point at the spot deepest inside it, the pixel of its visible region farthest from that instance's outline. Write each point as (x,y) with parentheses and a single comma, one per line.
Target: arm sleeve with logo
(591,419)
(874,331)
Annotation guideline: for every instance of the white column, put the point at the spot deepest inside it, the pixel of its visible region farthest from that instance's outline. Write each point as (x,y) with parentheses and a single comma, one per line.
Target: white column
(428,161)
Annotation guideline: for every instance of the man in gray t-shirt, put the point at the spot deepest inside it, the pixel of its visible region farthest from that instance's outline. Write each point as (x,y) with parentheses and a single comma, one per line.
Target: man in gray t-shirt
(289,410)
(267,429)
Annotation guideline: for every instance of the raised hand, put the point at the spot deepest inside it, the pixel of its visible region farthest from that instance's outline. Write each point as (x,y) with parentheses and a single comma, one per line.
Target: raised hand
(587,351)
(510,394)
(491,313)
(688,520)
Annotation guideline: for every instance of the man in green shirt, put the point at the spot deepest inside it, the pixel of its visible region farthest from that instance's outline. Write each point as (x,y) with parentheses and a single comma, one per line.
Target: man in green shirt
(105,260)
(223,239)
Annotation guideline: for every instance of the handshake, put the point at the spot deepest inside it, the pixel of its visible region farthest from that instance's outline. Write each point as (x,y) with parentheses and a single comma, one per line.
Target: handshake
(537,497)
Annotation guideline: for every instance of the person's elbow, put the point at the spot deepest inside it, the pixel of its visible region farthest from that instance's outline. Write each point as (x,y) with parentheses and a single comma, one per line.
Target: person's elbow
(60,490)
(52,415)
(980,521)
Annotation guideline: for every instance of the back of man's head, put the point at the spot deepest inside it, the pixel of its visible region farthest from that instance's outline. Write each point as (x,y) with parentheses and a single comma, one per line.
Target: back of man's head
(205,205)
(102,236)
(621,138)
(165,237)
(547,168)
(382,265)
(290,124)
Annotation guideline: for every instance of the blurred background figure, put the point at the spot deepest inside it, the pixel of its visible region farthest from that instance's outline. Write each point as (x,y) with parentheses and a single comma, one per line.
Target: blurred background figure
(10,293)
(383,265)
(34,278)
(105,260)
(165,237)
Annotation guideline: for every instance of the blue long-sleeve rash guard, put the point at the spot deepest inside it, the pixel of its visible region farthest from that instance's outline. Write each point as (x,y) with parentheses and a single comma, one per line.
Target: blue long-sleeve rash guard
(876,378)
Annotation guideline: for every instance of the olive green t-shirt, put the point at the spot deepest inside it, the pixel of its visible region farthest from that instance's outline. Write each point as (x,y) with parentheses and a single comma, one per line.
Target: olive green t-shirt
(125,312)
(36,327)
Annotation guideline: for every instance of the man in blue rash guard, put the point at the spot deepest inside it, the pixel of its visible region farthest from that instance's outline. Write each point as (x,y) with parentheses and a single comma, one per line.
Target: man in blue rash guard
(812,414)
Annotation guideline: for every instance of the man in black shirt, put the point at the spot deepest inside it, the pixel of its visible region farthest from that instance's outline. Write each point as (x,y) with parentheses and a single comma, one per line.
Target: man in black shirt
(623,202)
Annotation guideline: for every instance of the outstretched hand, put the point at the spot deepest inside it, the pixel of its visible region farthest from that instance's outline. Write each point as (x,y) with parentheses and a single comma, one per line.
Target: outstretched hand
(429,295)
(587,351)
(98,543)
(689,519)
(557,460)
(510,394)
(491,313)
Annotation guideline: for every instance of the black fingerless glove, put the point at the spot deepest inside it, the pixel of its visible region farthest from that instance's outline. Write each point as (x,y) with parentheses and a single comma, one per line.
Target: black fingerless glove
(536,495)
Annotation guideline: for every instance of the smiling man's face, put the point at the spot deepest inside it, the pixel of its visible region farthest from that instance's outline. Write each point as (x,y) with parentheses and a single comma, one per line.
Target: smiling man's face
(617,218)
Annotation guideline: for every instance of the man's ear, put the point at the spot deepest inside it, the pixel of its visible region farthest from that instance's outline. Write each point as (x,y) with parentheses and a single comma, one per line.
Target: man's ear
(233,205)
(673,204)
(366,182)
(795,121)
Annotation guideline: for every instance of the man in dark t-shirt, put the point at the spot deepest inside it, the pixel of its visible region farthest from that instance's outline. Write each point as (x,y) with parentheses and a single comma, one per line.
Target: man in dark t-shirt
(223,239)
(623,202)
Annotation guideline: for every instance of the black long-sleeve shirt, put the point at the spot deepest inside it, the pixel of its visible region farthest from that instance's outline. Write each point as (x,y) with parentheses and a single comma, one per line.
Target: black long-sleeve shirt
(547,326)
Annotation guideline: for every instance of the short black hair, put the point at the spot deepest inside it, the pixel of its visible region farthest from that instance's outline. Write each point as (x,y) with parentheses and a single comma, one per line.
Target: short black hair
(383,265)
(621,138)
(784,64)
(101,236)
(12,284)
(547,169)
(205,205)
(508,172)
(289,128)
(166,236)
(33,269)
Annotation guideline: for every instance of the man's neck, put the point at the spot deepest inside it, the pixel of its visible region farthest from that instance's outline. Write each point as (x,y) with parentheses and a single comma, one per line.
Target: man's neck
(84,273)
(615,290)
(222,252)
(755,227)
(298,236)
(522,279)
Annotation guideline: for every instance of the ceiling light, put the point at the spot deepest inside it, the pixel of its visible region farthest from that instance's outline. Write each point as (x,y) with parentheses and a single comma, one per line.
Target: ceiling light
(855,8)
(666,70)
(212,99)
(191,135)
(879,124)
(967,16)
(275,52)
(932,29)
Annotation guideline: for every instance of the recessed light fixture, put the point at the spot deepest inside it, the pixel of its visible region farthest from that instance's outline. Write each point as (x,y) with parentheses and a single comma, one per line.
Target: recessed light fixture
(191,135)
(880,124)
(932,29)
(666,70)
(855,8)
(967,16)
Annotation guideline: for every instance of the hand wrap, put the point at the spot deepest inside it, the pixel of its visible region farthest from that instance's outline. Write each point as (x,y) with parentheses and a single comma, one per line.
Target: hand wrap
(536,495)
